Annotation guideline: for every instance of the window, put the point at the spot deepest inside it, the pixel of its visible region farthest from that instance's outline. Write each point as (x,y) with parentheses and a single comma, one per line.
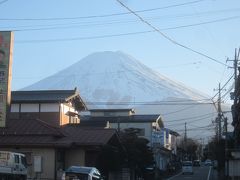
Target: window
(16,159)
(24,161)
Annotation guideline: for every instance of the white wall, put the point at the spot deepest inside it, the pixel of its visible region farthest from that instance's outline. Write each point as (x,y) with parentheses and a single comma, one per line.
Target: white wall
(47,107)
(14,107)
(34,107)
(29,107)
(65,108)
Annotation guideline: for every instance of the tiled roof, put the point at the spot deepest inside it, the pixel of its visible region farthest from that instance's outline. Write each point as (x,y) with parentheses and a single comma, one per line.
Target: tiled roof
(42,96)
(88,136)
(29,140)
(29,127)
(38,133)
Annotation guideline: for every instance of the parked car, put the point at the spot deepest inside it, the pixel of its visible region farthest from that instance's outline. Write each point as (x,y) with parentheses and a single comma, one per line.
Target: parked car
(187,167)
(196,163)
(82,173)
(208,162)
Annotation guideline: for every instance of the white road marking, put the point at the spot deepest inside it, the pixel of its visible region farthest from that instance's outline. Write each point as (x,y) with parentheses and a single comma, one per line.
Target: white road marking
(209,172)
(174,176)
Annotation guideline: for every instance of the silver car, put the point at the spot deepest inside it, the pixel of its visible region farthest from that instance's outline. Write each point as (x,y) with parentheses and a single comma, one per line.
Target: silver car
(187,167)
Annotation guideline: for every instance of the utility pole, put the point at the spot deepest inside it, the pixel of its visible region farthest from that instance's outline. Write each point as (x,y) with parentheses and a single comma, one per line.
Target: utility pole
(235,67)
(185,134)
(226,146)
(219,117)
(234,95)
(185,138)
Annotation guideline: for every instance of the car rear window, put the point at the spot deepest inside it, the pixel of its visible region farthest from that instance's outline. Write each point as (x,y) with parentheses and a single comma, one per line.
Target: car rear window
(187,164)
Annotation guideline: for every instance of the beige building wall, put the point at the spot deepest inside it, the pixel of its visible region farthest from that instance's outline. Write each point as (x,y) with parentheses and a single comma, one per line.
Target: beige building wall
(74,157)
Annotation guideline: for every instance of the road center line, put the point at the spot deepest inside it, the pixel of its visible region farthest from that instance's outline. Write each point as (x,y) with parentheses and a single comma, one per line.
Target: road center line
(209,172)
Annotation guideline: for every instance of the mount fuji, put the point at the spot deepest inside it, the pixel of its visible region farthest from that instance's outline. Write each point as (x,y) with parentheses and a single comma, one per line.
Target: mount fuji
(117,80)
(116,76)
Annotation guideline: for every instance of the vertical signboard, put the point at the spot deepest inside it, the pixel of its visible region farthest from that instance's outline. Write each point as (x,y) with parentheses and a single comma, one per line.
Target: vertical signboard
(6,47)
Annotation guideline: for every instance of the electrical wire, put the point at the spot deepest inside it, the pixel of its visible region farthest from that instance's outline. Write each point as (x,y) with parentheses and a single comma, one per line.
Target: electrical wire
(146,104)
(100,16)
(189,122)
(82,38)
(177,111)
(167,37)
(193,117)
(223,86)
(112,23)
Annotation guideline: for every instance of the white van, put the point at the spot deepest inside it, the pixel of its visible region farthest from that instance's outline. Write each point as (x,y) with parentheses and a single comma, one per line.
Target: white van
(82,173)
(187,167)
(12,165)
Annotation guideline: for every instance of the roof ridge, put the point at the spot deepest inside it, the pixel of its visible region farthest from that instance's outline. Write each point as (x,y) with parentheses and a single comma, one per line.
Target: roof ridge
(87,128)
(51,127)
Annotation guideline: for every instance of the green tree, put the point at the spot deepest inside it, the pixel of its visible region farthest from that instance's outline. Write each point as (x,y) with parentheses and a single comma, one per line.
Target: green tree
(189,148)
(139,154)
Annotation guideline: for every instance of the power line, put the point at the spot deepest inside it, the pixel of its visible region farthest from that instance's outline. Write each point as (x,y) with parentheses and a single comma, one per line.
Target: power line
(196,129)
(228,91)
(146,104)
(167,37)
(110,35)
(92,23)
(117,22)
(82,38)
(193,117)
(223,86)
(180,110)
(100,16)
(192,121)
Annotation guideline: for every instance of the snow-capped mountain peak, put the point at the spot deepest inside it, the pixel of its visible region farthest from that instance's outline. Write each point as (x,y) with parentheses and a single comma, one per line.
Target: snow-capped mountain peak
(115,77)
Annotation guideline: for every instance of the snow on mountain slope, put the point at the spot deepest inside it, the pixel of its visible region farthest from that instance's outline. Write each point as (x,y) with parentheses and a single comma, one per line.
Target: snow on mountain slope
(106,79)
(115,76)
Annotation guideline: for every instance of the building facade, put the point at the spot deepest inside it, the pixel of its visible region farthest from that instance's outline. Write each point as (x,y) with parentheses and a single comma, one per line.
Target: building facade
(56,107)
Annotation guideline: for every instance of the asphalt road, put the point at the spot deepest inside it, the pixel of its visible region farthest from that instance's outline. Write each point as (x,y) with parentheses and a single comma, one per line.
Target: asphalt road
(200,173)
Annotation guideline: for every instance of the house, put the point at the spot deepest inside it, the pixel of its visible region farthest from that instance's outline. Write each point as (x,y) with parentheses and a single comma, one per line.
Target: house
(49,149)
(163,141)
(56,107)
(122,119)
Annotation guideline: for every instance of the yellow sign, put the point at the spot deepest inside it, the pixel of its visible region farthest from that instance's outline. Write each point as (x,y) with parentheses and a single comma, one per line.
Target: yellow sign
(6,46)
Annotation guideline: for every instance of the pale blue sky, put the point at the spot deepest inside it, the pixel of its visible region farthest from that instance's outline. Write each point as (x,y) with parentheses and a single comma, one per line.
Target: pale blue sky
(33,61)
